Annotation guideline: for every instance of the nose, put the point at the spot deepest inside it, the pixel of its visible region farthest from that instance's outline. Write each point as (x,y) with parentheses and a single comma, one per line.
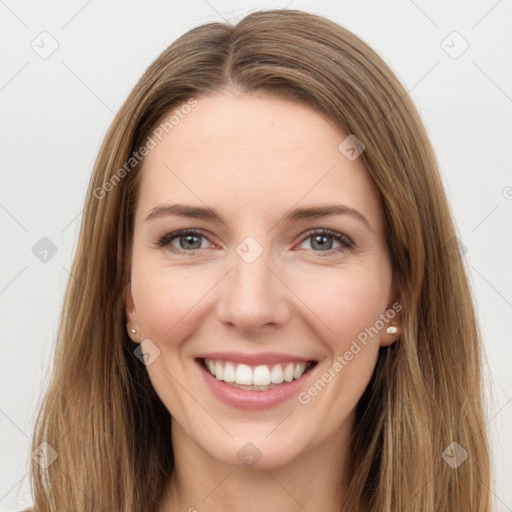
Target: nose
(254,296)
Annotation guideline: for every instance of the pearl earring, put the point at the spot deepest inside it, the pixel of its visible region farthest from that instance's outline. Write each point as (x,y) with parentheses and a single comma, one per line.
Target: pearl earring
(391,330)
(133,331)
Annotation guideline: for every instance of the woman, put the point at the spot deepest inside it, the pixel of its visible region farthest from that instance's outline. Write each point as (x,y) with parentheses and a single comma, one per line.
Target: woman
(267,309)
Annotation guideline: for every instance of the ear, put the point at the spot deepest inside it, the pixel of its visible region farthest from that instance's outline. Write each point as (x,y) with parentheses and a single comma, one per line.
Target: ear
(131,316)
(392,317)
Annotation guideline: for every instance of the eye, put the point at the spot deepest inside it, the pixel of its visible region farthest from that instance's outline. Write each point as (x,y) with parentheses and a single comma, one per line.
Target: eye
(324,239)
(191,241)
(187,241)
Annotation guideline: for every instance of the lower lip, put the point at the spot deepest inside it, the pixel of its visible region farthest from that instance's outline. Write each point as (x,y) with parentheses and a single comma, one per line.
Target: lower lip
(254,400)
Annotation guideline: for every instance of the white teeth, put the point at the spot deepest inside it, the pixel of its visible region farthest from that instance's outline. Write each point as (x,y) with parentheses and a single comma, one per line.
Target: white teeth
(229,372)
(276,375)
(218,370)
(243,374)
(288,372)
(261,375)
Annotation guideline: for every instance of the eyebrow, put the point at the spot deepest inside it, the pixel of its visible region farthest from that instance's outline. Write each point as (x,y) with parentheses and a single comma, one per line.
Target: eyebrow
(206,213)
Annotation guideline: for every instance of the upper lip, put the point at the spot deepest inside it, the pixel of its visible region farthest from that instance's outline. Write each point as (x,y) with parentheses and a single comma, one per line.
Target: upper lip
(254,359)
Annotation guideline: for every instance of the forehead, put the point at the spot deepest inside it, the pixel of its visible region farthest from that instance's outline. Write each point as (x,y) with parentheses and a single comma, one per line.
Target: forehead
(257,154)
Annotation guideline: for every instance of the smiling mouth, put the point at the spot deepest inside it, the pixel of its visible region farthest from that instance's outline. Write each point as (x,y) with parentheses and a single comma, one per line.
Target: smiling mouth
(256,378)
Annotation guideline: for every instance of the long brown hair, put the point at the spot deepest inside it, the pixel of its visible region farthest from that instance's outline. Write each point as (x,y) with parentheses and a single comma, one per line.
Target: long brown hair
(100,413)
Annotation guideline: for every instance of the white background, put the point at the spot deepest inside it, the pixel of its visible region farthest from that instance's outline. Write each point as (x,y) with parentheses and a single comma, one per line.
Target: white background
(55,112)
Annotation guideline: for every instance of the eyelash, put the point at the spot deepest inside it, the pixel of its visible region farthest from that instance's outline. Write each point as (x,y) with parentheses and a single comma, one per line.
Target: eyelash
(345,242)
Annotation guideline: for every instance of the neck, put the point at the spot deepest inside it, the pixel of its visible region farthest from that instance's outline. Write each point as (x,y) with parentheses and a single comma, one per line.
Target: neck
(314,480)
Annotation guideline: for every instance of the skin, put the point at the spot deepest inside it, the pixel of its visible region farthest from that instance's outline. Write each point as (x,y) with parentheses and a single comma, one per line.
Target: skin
(253,157)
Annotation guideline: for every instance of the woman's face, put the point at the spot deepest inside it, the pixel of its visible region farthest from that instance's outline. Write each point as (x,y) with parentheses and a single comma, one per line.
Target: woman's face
(256,288)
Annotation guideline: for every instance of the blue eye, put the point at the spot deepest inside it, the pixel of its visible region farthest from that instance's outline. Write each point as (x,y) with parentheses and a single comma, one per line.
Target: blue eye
(322,239)
(191,241)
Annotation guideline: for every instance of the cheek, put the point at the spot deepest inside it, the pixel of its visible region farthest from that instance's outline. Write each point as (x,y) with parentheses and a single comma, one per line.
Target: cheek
(346,301)
(166,299)
(350,304)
